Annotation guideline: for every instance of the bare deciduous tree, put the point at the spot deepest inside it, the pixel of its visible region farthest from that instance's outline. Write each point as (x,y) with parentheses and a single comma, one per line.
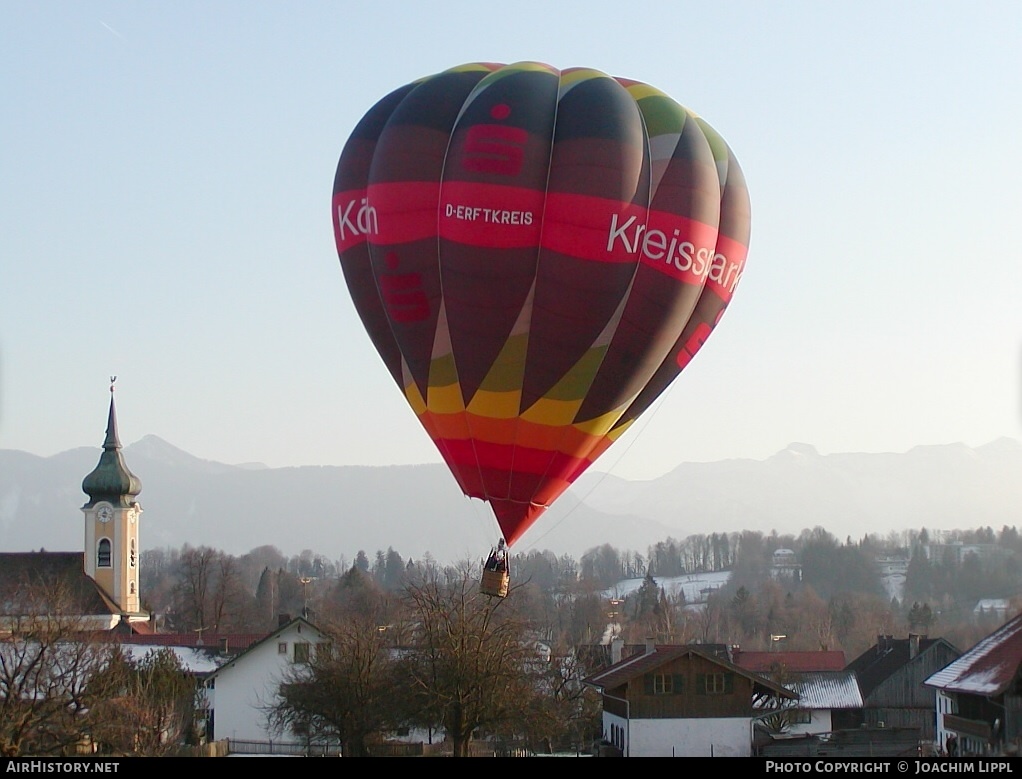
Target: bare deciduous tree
(471,661)
(210,593)
(345,693)
(48,661)
(149,706)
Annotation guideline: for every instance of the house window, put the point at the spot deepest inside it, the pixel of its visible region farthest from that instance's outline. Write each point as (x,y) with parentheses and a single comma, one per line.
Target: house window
(282,648)
(301,652)
(800,716)
(662,684)
(718,683)
(103,553)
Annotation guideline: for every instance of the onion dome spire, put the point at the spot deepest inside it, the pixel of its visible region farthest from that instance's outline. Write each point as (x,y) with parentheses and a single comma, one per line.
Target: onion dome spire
(111,480)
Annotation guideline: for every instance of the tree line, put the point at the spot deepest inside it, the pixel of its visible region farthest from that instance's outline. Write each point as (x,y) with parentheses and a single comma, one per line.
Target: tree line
(200,588)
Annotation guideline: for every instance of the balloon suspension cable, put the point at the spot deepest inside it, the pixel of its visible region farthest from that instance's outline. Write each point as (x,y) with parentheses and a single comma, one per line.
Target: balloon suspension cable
(481,537)
(645,419)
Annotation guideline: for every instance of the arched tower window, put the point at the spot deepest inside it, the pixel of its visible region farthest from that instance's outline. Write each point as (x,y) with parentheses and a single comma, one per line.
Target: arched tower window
(103,553)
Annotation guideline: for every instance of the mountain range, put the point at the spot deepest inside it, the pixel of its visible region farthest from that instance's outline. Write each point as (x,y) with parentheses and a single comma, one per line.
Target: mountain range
(419,511)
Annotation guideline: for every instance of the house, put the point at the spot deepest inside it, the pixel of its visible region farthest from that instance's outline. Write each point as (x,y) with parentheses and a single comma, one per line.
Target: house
(827,718)
(239,691)
(828,695)
(198,656)
(825,701)
(992,608)
(683,701)
(979,695)
(784,564)
(891,675)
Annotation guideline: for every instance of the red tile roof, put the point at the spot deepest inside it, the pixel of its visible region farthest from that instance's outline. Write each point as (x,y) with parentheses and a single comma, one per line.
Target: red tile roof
(831,660)
(235,641)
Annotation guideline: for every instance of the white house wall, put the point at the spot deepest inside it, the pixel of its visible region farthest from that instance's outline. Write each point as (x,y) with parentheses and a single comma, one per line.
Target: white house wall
(694,737)
(945,705)
(246,686)
(819,722)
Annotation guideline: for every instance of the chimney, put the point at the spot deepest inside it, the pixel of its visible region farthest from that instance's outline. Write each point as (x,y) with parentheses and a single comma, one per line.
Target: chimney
(913,645)
(223,645)
(650,645)
(283,619)
(616,645)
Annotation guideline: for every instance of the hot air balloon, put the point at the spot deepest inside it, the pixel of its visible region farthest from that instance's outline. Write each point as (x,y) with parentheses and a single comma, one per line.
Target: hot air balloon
(536,254)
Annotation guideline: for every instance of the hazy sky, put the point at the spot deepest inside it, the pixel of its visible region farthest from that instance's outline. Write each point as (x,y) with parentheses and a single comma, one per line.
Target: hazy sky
(165,182)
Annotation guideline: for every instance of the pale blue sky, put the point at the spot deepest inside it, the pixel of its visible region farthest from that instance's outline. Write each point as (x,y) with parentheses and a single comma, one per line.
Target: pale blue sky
(166,171)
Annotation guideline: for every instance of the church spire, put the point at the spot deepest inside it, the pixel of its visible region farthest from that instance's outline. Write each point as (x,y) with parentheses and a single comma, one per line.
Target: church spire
(111,522)
(111,480)
(112,442)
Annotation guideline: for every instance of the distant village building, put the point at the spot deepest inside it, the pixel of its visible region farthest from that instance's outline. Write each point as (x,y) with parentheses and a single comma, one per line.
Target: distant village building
(893,574)
(956,552)
(893,565)
(993,608)
(785,565)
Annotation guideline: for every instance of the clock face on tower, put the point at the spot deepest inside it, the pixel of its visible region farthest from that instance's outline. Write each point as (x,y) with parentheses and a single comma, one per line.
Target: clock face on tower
(105,513)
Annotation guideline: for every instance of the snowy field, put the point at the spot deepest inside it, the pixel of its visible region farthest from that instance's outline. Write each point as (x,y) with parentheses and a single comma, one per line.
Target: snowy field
(696,586)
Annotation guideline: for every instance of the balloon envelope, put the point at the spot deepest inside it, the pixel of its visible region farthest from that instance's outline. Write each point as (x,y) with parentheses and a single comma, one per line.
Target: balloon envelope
(536,254)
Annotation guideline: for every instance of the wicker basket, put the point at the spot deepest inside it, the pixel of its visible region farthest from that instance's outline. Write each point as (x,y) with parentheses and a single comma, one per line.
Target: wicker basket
(495,583)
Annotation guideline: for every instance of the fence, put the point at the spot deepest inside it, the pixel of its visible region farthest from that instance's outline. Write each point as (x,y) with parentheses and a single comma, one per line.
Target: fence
(391,749)
(240,747)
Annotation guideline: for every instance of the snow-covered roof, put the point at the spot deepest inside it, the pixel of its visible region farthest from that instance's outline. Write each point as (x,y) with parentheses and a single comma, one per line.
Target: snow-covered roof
(988,668)
(823,689)
(195,661)
(991,604)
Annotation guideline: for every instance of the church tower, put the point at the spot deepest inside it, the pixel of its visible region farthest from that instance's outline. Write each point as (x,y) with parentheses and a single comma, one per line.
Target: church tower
(112,518)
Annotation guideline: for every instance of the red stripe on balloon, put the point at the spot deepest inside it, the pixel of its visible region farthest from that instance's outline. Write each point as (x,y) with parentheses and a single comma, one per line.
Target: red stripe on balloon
(723,283)
(496,217)
(402,212)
